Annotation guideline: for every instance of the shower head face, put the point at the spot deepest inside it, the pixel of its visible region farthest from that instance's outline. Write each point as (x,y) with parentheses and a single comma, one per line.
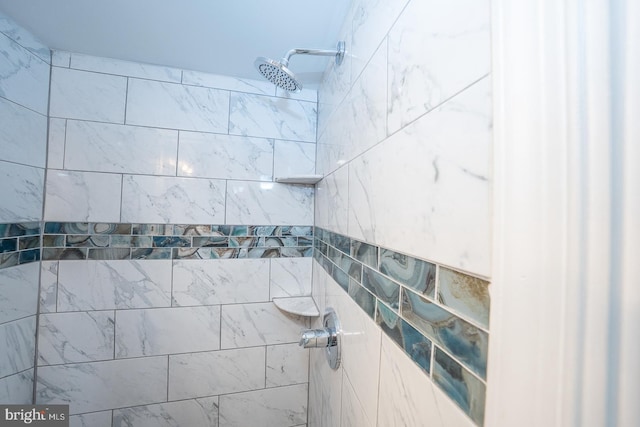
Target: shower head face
(278,74)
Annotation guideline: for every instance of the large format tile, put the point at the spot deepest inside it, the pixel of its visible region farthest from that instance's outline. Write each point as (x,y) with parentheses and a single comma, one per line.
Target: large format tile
(209,155)
(156,331)
(82,196)
(269,117)
(48,286)
(102,147)
(272,407)
(17,345)
(197,78)
(18,291)
(17,389)
(268,203)
(444,154)
(216,372)
(436,49)
(294,158)
(290,277)
(87,96)
(154,199)
(175,106)
(332,201)
(351,412)
(23,37)
(108,285)
(287,364)
(188,413)
(124,68)
(23,186)
(24,77)
(55,146)
(91,419)
(75,337)
(225,281)
(248,325)
(97,386)
(23,135)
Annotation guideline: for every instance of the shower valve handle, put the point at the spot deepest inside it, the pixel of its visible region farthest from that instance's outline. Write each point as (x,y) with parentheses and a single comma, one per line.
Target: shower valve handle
(318,338)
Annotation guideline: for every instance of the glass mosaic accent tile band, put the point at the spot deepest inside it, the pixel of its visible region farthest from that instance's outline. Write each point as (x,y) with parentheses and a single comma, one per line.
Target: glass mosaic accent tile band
(23,242)
(438,316)
(19,243)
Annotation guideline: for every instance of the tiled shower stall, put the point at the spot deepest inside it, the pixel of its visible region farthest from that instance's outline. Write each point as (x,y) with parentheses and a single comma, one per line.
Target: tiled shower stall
(144,237)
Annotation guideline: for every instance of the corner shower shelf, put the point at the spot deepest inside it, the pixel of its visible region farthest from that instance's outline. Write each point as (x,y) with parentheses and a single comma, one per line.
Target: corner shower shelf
(299,179)
(300,306)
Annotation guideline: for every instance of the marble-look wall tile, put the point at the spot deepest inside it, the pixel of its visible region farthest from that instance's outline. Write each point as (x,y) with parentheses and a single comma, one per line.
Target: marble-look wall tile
(216,372)
(306,94)
(417,274)
(280,406)
(465,389)
(325,392)
(157,331)
(108,285)
(124,68)
(332,200)
(55,148)
(225,281)
(23,135)
(24,77)
(464,294)
(82,196)
(268,203)
(48,286)
(91,419)
(75,337)
(452,225)
(60,58)
(197,78)
(24,38)
(18,291)
(87,96)
(269,117)
(406,394)
(23,185)
(287,364)
(82,386)
(209,155)
(435,51)
(102,147)
(351,412)
(17,345)
(372,19)
(192,413)
(168,105)
(17,389)
(151,199)
(258,324)
(290,277)
(465,341)
(294,158)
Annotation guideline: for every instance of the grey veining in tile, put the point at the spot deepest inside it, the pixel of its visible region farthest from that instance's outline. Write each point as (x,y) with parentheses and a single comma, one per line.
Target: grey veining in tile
(287,364)
(269,117)
(124,68)
(17,389)
(55,147)
(23,135)
(157,331)
(465,389)
(175,106)
(18,291)
(465,341)
(197,78)
(216,372)
(91,419)
(22,185)
(281,406)
(188,413)
(75,337)
(465,294)
(107,285)
(417,274)
(48,286)
(290,277)
(17,345)
(24,38)
(82,386)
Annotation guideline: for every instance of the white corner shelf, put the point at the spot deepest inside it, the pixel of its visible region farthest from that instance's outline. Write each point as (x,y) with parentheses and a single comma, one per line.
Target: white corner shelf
(299,179)
(300,306)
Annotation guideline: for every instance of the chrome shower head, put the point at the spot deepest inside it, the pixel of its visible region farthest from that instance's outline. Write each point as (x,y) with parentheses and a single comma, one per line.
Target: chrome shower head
(278,74)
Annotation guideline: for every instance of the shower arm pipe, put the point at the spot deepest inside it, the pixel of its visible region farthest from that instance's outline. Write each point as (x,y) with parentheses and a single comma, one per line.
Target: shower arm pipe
(319,52)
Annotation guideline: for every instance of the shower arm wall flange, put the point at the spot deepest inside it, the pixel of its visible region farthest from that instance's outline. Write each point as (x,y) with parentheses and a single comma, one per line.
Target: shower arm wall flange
(338,53)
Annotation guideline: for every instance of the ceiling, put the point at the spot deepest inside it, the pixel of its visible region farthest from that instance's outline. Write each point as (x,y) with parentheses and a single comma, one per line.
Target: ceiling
(220,37)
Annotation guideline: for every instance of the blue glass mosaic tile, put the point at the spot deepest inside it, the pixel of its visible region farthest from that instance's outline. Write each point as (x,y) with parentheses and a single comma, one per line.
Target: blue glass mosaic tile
(416,274)
(363,298)
(365,253)
(383,288)
(8,245)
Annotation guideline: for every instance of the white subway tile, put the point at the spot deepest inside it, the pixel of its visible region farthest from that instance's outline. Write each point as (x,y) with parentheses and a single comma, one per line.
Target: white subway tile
(153,199)
(85,95)
(82,196)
